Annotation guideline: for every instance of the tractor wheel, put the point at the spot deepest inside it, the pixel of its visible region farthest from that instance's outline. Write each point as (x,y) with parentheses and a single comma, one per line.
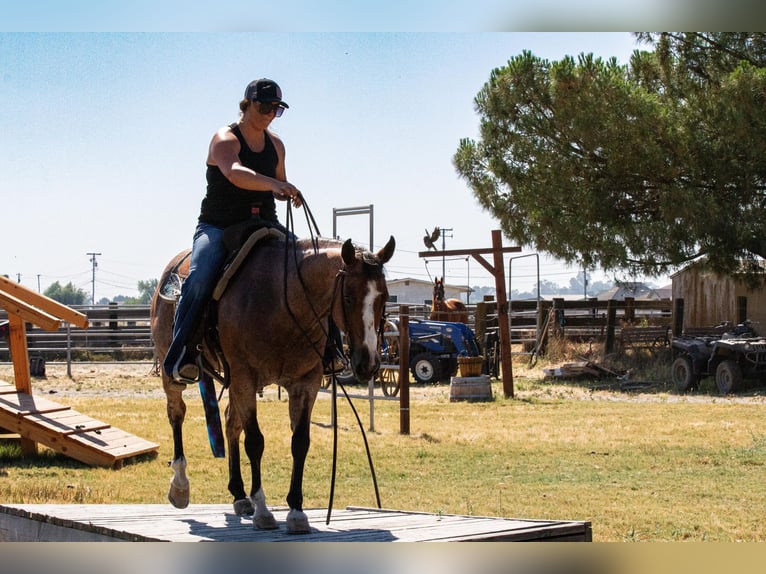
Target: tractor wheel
(728,376)
(425,368)
(389,381)
(682,374)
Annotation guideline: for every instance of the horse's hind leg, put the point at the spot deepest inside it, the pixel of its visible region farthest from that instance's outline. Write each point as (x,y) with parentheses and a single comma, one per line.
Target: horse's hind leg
(178,494)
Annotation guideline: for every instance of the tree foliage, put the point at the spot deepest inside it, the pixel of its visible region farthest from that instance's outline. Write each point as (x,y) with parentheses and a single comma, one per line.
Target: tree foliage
(639,167)
(68,294)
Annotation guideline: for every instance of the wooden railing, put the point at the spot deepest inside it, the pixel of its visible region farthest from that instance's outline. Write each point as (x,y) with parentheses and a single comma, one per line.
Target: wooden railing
(115,332)
(122,332)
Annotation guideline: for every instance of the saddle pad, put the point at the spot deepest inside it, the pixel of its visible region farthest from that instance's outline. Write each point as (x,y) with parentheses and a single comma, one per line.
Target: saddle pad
(231,268)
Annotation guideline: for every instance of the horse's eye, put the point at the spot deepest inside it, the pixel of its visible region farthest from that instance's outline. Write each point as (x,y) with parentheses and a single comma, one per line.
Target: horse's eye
(347,300)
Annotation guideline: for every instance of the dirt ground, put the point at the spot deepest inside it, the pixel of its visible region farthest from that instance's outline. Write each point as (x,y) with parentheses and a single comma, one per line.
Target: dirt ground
(142,380)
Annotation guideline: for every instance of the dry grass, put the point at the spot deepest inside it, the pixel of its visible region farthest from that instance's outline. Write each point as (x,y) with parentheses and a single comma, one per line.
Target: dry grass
(639,466)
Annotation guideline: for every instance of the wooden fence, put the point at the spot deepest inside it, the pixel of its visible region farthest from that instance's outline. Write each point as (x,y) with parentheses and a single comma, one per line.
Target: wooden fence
(122,332)
(115,333)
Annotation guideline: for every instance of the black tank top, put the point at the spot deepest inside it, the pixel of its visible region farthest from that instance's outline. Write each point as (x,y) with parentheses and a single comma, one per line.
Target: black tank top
(224,203)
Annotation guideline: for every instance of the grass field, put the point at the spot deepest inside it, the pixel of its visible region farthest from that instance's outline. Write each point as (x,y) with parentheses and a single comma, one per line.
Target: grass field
(648,466)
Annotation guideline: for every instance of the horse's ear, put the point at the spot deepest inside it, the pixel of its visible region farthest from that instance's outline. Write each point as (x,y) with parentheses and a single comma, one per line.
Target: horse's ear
(387,252)
(348,253)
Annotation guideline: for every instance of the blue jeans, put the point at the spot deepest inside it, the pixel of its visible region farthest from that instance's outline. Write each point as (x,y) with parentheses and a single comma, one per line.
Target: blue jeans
(207,258)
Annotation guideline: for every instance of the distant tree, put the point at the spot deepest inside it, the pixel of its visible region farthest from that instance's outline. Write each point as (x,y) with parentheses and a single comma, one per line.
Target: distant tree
(640,167)
(68,295)
(146,290)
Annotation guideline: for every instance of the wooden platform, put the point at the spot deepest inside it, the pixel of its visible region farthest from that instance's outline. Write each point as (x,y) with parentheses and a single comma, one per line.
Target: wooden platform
(217,522)
(67,431)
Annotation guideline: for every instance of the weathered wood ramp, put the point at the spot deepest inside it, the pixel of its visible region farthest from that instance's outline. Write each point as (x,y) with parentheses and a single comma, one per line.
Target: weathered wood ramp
(217,522)
(67,431)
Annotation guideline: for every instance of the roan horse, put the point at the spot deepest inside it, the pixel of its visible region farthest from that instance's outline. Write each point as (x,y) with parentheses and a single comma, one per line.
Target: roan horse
(452,310)
(272,327)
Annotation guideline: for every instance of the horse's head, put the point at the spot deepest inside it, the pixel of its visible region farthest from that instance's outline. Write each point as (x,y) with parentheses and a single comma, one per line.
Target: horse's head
(439,289)
(359,309)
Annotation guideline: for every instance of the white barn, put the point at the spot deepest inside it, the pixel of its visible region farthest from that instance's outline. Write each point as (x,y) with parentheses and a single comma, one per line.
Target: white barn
(410,291)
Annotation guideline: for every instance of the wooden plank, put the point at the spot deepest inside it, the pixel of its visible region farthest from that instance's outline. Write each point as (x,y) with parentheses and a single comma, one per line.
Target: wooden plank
(217,522)
(46,304)
(67,431)
(27,312)
(21,404)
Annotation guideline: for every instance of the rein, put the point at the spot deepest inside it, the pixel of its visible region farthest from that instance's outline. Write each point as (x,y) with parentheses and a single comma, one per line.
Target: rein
(338,287)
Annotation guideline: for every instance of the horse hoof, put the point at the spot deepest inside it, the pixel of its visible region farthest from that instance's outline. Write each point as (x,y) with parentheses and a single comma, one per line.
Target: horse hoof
(244,507)
(265,522)
(297,522)
(178,497)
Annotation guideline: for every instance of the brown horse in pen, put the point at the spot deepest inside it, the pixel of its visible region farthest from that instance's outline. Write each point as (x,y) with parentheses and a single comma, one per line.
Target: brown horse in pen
(452,310)
(272,328)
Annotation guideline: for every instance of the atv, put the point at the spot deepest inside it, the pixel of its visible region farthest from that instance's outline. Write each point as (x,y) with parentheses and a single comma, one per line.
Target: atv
(730,355)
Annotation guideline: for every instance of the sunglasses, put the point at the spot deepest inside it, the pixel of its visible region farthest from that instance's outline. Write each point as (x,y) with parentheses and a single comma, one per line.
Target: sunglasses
(265,108)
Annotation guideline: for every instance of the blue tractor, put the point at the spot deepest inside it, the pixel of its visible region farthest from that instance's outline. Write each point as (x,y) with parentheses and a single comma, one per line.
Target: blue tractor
(434,349)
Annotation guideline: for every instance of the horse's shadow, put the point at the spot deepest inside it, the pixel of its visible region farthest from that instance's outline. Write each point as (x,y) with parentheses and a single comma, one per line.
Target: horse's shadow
(238,528)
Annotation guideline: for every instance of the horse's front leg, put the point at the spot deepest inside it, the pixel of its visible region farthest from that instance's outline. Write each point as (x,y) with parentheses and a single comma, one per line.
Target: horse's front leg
(301,399)
(263,519)
(243,506)
(178,494)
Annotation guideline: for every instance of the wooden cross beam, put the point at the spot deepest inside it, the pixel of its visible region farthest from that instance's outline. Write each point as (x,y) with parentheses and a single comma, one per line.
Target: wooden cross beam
(498,272)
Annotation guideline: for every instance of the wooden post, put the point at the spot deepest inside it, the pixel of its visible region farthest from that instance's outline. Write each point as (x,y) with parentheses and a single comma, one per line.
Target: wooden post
(498,272)
(17,343)
(559,319)
(404,369)
(481,321)
(503,319)
(544,327)
(611,320)
(630,310)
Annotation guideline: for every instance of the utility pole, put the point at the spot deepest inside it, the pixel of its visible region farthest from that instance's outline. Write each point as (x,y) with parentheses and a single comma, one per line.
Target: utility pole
(94,264)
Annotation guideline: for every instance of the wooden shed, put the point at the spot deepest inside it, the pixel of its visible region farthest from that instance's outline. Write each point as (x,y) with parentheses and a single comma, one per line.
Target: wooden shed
(702,298)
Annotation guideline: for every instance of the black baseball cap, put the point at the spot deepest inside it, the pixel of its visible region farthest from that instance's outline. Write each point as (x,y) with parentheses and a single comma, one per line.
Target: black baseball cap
(264,90)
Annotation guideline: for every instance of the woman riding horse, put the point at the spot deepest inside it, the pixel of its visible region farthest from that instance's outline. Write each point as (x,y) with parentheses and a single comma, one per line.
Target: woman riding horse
(273,322)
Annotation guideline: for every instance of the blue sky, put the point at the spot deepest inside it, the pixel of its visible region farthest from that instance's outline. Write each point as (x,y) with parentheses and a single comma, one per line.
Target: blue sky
(105,137)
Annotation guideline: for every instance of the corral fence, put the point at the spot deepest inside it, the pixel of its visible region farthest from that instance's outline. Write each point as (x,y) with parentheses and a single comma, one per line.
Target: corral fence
(533,322)
(121,333)
(115,333)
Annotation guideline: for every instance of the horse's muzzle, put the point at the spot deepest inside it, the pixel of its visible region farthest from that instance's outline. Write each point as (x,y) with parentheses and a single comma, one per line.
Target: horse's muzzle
(364,365)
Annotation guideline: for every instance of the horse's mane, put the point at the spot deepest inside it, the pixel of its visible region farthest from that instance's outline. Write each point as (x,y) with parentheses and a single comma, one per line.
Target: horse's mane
(372,266)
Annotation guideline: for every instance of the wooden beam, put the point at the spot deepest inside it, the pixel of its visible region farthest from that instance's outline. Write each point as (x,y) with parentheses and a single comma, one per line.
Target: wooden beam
(455,252)
(42,302)
(19,308)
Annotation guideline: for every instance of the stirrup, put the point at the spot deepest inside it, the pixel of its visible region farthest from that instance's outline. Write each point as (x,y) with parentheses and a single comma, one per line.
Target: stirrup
(186,373)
